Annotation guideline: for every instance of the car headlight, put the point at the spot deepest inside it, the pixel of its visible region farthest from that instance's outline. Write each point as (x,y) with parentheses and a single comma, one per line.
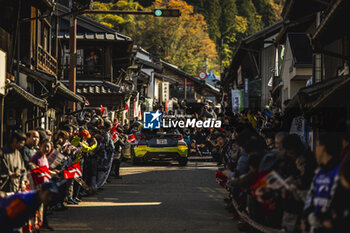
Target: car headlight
(182,147)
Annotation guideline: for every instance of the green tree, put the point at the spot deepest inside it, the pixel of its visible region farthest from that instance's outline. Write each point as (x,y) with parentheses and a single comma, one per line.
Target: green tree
(125,23)
(247,9)
(232,28)
(182,41)
(266,10)
(212,15)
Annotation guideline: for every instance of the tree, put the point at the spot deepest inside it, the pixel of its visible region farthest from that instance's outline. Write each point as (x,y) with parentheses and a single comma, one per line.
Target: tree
(125,23)
(232,28)
(182,41)
(212,15)
(266,10)
(247,9)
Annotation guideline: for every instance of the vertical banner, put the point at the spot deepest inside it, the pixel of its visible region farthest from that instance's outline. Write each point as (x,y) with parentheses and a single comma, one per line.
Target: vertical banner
(126,112)
(147,105)
(298,127)
(239,75)
(170,105)
(2,72)
(136,104)
(246,93)
(237,100)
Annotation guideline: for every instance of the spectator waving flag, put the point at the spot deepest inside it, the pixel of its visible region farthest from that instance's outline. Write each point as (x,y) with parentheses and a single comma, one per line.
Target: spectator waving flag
(40,175)
(74,171)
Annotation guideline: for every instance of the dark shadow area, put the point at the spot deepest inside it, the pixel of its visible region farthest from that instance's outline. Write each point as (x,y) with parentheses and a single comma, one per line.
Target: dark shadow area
(189,201)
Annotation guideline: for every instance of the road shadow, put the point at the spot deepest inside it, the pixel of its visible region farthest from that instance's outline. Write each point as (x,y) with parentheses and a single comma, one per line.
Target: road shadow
(156,199)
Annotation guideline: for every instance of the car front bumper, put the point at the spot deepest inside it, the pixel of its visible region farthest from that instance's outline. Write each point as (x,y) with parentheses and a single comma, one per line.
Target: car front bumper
(160,152)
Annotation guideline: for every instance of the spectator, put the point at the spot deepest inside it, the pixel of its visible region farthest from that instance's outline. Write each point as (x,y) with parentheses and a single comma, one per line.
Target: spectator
(40,158)
(17,209)
(337,218)
(345,145)
(30,148)
(193,149)
(328,148)
(279,141)
(12,164)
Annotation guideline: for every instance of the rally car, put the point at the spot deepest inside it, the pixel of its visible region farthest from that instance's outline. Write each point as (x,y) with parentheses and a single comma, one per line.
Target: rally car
(160,144)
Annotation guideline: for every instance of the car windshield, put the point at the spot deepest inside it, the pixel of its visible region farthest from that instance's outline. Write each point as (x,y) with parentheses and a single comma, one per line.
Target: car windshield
(158,131)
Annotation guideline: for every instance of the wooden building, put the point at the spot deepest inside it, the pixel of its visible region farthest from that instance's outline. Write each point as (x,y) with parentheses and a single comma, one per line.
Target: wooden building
(33,97)
(103,59)
(322,101)
(254,61)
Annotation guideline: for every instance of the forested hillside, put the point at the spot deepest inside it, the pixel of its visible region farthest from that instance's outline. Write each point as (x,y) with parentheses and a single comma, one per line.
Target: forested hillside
(207,29)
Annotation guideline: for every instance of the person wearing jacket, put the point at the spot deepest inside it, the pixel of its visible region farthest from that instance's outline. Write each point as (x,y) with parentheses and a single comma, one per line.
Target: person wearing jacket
(337,219)
(17,209)
(327,152)
(12,167)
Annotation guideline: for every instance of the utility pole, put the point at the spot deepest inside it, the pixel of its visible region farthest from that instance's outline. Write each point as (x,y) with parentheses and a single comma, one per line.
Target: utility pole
(73,57)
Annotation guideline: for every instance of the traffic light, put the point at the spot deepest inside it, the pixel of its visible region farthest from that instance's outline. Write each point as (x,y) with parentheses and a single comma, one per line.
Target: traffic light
(166,12)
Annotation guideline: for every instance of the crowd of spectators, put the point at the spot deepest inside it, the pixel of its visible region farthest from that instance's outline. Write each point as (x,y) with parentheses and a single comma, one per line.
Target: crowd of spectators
(77,159)
(275,179)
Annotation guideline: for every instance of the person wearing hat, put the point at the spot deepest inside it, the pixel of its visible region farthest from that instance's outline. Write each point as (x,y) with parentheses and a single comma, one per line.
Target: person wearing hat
(12,165)
(81,141)
(17,209)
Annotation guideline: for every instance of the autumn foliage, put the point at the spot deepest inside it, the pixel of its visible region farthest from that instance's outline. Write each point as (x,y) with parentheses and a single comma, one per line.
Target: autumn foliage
(182,41)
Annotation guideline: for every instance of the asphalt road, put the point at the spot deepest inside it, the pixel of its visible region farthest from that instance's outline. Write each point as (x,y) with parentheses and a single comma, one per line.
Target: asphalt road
(162,198)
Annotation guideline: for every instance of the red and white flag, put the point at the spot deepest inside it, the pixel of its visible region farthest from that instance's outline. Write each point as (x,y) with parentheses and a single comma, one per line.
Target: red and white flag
(102,110)
(87,102)
(114,133)
(40,175)
(131,138)
(74,171)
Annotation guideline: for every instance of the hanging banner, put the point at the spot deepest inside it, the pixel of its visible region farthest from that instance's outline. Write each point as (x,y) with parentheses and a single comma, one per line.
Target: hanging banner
(246,93)
(149,105)
(136,105)
(298,127)
(170,105)
(237,101)
(239,75)
(2,72)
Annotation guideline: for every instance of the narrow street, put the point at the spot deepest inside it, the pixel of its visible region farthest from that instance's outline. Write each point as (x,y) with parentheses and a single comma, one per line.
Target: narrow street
(155,198)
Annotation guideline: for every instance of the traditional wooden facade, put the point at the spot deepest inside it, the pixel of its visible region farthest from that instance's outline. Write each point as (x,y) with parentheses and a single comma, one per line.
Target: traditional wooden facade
(103,58)
(321,101)
(254,62)
(34,96)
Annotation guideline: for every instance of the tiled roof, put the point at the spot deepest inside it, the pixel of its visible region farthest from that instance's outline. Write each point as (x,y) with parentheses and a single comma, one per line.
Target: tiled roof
(26,95)
(97,36)
(95,87)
